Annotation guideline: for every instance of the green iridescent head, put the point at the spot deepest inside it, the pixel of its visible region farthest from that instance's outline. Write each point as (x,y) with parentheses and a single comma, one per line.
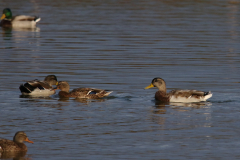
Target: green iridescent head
(7,14)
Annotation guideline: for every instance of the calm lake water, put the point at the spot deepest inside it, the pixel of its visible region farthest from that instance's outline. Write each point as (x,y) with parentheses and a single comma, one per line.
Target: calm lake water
(121,46)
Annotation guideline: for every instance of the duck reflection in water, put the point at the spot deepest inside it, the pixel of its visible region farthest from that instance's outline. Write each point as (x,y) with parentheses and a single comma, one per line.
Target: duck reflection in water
(81,100)
(162,108)
(196,105)
(14,155)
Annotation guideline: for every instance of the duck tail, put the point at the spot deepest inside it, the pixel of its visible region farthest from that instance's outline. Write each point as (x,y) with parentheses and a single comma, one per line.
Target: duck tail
(107,93)
(24,89)
(37,19)
(207,95)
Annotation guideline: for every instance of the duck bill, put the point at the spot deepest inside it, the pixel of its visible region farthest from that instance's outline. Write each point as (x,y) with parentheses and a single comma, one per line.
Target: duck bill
(27,140)
(3,16)
(56,83)
(150,86)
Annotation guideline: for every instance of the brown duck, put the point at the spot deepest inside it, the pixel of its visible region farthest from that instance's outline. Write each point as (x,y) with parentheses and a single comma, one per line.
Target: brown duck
(15,145)
(39,88)
(90,93)
(186,96)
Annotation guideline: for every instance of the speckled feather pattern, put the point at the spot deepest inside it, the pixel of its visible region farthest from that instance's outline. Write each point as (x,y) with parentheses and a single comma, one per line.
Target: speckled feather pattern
(8,145)
(181,95)
(90,93)
(84,93)
(161,96)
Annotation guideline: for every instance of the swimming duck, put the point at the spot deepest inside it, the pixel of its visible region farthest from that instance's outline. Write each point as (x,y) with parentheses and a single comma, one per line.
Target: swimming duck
(15,145)
(90,93)
(39,88)
(7,20)
(177,95)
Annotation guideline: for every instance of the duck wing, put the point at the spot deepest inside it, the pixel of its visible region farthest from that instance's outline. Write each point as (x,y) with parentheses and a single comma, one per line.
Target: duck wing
(26,18)
(30,86)
(8,145)
(89,93)
(189,96)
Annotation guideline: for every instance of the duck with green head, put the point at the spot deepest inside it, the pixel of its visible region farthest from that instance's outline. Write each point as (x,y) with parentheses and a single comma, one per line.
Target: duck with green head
(7,20)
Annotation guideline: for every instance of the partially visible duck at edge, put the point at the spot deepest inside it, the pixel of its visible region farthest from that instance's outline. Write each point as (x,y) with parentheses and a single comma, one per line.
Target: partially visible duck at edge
(185,96)
(89,93)
(39,88)
(15,145)
(23,21)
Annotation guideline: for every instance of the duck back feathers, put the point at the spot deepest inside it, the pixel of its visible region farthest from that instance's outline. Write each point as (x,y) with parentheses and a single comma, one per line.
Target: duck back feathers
(188,96)
(25,21)
(8,145)
(34,85)
(90,93)
(37,87)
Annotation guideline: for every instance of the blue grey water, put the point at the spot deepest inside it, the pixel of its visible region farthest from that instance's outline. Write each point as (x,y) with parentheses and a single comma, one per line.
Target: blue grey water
(121,46)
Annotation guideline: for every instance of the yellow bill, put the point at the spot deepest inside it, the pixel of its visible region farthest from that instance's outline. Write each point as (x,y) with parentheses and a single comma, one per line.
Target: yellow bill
(150,86)
(56,83)
(3,16)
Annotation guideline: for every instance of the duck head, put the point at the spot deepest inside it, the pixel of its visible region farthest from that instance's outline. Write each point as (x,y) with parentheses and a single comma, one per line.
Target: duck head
(159,83)
(51,80)
(20,137)
(7,14)
(63,86)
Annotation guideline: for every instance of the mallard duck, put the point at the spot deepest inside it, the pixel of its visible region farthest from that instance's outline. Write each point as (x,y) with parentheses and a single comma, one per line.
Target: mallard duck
(90,93)
(39,88)
(15,145)
(7,20)
(177,95)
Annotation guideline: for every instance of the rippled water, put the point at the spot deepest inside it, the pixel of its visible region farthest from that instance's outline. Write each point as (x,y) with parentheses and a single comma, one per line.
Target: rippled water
(122,46)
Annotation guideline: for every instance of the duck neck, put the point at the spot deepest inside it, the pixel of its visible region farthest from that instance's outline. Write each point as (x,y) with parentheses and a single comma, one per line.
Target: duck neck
(162,88)
(64,94)
(66,90)
(22,146)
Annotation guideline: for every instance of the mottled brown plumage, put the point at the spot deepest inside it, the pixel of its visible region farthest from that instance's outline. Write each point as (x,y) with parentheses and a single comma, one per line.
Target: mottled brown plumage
(18,155)
(40,88)
(161,96)
(90,93)
(177,95)
(15,145)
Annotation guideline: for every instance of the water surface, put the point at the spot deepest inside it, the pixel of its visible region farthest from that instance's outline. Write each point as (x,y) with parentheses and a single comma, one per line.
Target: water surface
(122,46)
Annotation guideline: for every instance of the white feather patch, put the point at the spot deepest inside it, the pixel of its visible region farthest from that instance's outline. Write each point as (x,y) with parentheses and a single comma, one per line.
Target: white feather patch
(21,23)
(190,99)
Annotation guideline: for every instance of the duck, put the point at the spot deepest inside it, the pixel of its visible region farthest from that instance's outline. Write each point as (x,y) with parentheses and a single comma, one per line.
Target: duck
(183,96)
(16,144)
(89,93)
(23,21)
(39,88)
